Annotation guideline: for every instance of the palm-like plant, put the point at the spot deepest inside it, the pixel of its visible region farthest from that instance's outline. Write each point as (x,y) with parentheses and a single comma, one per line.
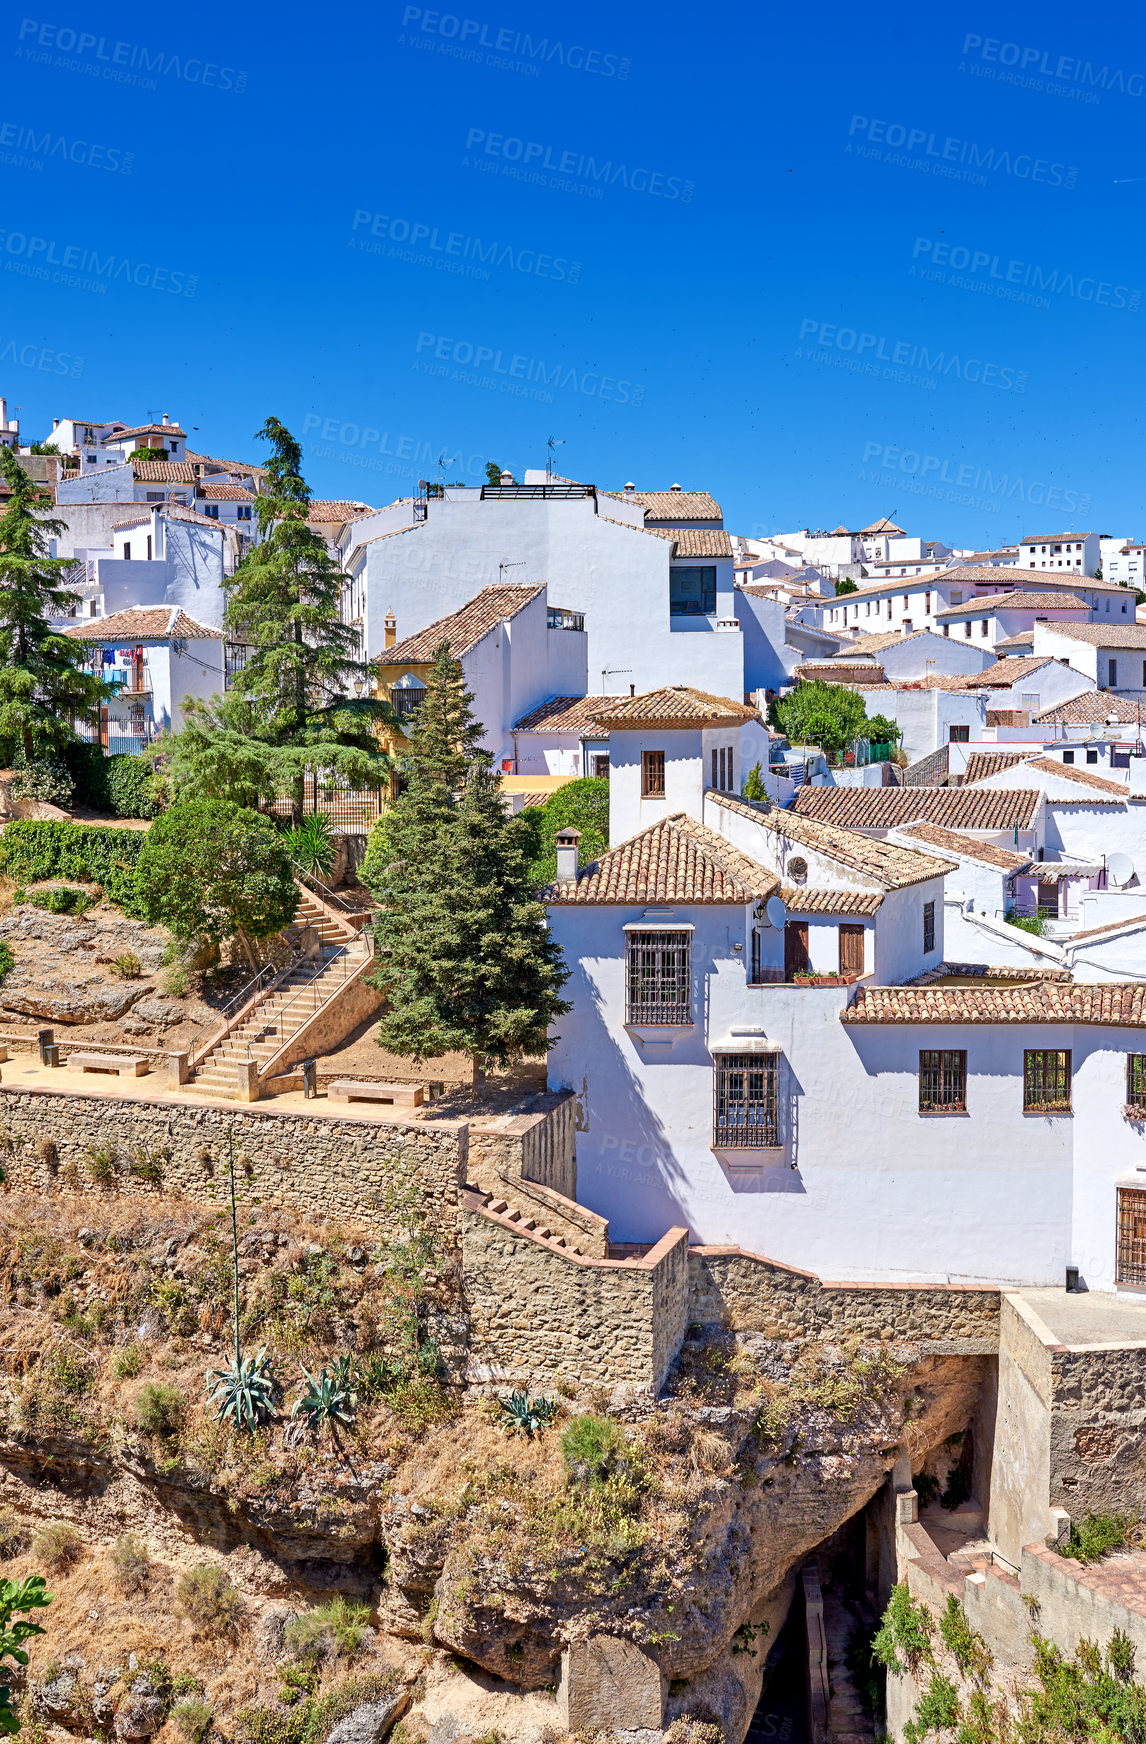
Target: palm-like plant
(312,845)
(522,1415)
(244,1391)
(330,1400)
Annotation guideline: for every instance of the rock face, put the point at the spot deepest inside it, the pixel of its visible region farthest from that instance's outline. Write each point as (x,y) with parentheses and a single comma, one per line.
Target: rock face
(606,1682)
(64,971)
(370,1723)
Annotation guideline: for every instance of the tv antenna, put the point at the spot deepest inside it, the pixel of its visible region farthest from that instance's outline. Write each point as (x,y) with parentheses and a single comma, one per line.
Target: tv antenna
(551,442)
(504,566)
(445,460)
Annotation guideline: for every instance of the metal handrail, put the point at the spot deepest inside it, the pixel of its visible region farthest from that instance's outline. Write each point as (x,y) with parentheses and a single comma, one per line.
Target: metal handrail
(265,975)
(317,1004)
(325,890)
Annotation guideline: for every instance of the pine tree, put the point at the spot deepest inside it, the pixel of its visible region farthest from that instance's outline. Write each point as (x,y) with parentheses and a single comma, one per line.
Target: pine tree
(468,962)
(288,711)
(44,685)
(754,787)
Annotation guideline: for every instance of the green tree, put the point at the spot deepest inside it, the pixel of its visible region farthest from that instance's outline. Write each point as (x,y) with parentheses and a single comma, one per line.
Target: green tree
(880,730)
(828,715)
(582,805)
(846,585)
(492,472)
(16,1599)
(44,685)
(212,870)
(289,711)
(754,787)
(468,963)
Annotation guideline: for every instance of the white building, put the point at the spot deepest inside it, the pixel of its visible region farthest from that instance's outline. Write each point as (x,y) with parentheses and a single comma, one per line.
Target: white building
(1111,653)
(158,656)
(1076,551)
(915,602)
(1123,561)
(9,428)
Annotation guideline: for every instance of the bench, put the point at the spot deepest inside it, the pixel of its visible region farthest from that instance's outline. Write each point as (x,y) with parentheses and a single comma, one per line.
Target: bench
(353,1090)
(129,1065)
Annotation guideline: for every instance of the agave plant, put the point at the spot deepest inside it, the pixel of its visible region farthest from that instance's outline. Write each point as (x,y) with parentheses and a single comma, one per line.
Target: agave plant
(522,1415)
(244,1391)
(312,845)
(330,1398)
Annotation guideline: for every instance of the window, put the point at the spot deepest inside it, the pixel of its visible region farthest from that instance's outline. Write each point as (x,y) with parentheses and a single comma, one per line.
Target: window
(745,1100)
(1136,1080)
(928,927)
(659,981)
(1068,756)
(1113,670)
(851,950)
(943,1080)
(1131,1263)
(984,628)
(1046,1079)
(967,628)
(600,765)
(244,512)
(407,696)
(1092,756)
(652,774)
(947,629)
(927,601)
(127,551)
(956,596)
(715,782)
(211,509)
(957,735)
(692,592)
(1030,700)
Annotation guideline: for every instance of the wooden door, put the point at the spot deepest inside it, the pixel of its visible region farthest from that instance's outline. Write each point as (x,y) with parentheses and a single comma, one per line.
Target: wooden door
(796,958)
(851,950)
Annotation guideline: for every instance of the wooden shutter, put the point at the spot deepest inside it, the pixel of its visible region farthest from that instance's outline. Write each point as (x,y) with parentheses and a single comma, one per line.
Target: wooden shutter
(851,950)
(796,958)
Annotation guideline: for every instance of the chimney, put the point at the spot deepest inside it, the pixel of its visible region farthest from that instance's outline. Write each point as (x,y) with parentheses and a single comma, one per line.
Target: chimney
(166,419)
(632,690)
(389,631)
(630,486)
(567,855)
(55,423)
(674,487)
(3,413)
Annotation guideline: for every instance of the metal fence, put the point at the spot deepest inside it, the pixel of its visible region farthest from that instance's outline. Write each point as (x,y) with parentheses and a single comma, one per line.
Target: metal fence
(348,808)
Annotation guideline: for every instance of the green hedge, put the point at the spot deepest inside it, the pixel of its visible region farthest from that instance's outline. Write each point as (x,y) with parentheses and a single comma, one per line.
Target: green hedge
(122,785)
(30,850)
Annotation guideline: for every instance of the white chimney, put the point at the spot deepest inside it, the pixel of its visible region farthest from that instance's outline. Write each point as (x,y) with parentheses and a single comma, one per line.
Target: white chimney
(567,855)
(3,414)
(166,419)
(674,487)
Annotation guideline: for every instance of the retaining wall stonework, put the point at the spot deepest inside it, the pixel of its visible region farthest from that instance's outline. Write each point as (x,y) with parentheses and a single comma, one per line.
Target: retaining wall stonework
(348,1169)
(747,1293)
(539,1146)
(1098,1430)
(537,1312)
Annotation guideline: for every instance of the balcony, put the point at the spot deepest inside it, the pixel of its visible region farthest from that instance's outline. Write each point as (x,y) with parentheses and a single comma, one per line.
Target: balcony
(558,619)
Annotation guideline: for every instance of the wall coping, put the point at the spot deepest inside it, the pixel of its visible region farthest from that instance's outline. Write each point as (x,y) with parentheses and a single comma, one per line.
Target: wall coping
(477,1203)
(705,1252)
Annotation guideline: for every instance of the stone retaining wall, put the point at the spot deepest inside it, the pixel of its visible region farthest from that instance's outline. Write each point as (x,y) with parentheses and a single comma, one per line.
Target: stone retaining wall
(345,1169)
(748,1293)
(539,1146)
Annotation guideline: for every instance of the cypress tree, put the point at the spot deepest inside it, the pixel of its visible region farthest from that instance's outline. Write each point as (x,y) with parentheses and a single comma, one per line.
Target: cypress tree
(468,963)
(44,685)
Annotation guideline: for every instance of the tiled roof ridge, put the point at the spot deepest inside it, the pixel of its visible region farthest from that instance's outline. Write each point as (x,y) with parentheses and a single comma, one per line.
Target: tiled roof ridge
(986,808)
(489,607)
(550,715)
(693,707)
(1044,1001)
(159,621)
(1018,600)
(1005,672)
(1068,772)
(989,853)
(675,860)
(885,863)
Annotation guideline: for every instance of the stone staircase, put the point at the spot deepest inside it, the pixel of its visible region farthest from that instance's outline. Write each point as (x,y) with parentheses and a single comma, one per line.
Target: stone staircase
(333,952)
(848,1720)
(521,1222)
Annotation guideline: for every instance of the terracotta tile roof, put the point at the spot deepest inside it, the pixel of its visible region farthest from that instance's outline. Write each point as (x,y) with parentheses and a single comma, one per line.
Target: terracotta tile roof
(463,628)
(1040,580)
(955,808)
(675,506)
(877,643)
(1015,644)
(1006,859)
(800,899)
(676,705)
(562,714)
(224,493)
(1128,923)
(887,865)
(141,623)
(676,860)
(1004,673)
(1110,635)
(1092,705)
(840,672)
(1068,772)
(225,465)
(322,509)
(148,430)
(884,526)
(1019,601)
(1051,538)
(1109,1002)
(695,541)
(163,471)
(980,764)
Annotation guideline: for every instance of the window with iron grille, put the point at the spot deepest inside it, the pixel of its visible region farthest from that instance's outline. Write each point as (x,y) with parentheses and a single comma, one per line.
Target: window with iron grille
(943,1080)
(652,774)
(1136,1080)
(1046,1078)
(659,979)
(746,1101)
(1131,1263)
(928,927)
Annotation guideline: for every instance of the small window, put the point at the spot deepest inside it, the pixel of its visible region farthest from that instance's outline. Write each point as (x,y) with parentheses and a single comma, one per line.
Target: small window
(746,1101)
(1068,756)
(967,627)
(600,765)
(851,949)
(943,1080)
(659,981)
(652,774)
(984,628)
(1113,668)
(1131,1264)
(407,696)
(715,782)
(959,735)
(1136,1080)
(928,927)
(244,511)
(692,592)
(127,551)
(1092,756)
(1046,1080)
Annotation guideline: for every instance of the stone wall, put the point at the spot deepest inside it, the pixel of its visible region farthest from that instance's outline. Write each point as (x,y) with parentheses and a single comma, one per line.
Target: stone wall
(353,1004)
(729,1287)
(348,1169)
(539,1146)
(1098,1431)
(538,1312)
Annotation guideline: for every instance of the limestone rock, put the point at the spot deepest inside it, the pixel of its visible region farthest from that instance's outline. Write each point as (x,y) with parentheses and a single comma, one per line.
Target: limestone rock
(140,1715)
(370,1723)
(163,1012)
(58,1699)
(97,1004)
(606,1683)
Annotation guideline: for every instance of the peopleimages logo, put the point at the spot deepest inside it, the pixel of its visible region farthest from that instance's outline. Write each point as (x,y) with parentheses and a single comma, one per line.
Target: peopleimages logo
(1028,63)
(962,159)
(544,160)
(125,63)
(31,256)
(75,151)
(41,357)
(906,354)
(928,474)
(472,34)
(526,378)
(1027,274)
(458,248)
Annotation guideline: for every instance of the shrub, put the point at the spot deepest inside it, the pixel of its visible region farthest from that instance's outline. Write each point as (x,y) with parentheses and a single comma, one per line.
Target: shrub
(33,851)
(590,1443)
(102,1161)
(46,781)
(209,869)
(192,1718)
(7,960)
(906,1628)
(176,981)
(131,1563)
(521,1415)
(158,1408)
(11,1533)
(311,844)
(122,785)
(62,899)
(206,1596)
(1097,1534)
(582,805)
(58,1545)
(128,966)
(312,1720)
(337,1626)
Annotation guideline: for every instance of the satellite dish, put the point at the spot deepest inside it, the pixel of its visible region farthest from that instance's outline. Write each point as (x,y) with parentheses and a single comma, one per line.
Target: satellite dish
(777,913)
(1121,868)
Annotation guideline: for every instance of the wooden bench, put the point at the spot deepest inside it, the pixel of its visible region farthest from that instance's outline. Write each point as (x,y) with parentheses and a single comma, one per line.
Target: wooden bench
(128,1065)
(355,1090)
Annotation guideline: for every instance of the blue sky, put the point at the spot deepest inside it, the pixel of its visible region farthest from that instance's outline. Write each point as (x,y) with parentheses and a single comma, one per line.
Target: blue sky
(828,265)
